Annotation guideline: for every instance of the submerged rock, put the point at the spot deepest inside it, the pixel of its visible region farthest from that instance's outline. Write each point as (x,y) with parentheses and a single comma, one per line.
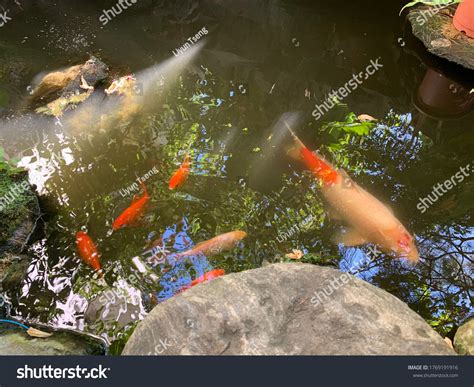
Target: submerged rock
(19,214)
(274,311)
(115,308)
(60,343)
(73,86)
(464,339)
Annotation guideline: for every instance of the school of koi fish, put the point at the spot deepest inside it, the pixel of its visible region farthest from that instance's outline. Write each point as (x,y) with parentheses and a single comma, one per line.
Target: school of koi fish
(368,220)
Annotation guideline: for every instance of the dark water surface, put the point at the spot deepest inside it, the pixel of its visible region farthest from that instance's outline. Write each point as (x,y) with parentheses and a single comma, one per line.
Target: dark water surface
(223,103)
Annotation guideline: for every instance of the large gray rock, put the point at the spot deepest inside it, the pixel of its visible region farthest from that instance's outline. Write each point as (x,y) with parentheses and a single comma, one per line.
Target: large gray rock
(274,311)
(464,339)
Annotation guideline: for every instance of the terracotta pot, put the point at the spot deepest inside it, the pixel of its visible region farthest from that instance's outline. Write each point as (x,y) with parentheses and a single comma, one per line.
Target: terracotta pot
(464,18)
(439,96)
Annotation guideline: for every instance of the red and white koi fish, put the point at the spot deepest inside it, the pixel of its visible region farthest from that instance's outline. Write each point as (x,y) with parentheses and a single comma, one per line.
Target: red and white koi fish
(88,251)
(133,212)
(215,245)
(369,219)
(181,175)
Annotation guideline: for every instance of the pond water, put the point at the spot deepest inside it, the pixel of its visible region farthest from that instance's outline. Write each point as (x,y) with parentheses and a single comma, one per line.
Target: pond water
(224,101)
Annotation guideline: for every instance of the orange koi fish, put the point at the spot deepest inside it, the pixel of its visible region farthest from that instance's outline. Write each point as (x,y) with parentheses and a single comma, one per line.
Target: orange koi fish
(133,212)
(210,275)
(369,220)
(215,245)
(88,251)
(181,175)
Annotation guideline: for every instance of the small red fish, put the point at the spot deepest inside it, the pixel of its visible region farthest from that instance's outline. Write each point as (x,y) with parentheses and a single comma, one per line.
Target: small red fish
(133,212)
(210,275)
(88,251)
(181,175)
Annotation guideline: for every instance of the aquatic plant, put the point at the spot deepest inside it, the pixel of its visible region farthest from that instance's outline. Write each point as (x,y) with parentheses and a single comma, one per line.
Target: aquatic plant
(8,165)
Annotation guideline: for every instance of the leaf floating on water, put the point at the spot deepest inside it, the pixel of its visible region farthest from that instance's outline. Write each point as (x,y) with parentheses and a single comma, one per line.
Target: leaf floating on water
(295,254)
(366,117)
(33,332)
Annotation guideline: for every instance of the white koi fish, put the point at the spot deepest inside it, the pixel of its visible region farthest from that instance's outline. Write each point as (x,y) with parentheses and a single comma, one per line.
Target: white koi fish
(369,220)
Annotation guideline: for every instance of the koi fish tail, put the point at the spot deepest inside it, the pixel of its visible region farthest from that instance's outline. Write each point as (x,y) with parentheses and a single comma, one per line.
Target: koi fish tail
(313,162)
(187,161)
(145,191)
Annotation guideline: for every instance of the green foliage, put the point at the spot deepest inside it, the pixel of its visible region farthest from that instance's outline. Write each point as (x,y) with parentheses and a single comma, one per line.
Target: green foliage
(117,346)
(350,126)
(8,165)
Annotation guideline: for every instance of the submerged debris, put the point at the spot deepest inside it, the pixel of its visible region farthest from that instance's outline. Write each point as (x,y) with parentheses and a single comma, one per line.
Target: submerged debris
(73,85)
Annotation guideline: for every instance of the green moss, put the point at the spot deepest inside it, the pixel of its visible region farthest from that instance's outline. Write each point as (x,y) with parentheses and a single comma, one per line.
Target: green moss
(12,183)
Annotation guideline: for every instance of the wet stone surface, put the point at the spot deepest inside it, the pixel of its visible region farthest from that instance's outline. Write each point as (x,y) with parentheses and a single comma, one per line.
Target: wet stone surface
(274,311)
(436,30)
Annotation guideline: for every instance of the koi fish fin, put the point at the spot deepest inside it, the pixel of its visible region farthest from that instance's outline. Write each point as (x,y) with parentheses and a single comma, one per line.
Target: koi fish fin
(349,238)
(33,332)
(135,198)
(187,162)
(333,214)
(388,207)
(294,153)
(347,181)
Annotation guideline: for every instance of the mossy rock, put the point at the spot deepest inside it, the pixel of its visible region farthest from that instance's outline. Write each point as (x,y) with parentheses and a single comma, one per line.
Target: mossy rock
(14,271)
(16,342)
(464,339)
(18,209)
(434,27)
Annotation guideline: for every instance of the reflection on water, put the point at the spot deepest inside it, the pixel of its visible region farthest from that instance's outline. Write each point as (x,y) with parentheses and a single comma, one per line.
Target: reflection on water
(223,104)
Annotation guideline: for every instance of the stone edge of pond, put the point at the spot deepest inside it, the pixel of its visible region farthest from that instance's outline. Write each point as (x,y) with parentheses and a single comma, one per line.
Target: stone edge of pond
(464,338)
(17,224)
(440,37)
(358,319)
